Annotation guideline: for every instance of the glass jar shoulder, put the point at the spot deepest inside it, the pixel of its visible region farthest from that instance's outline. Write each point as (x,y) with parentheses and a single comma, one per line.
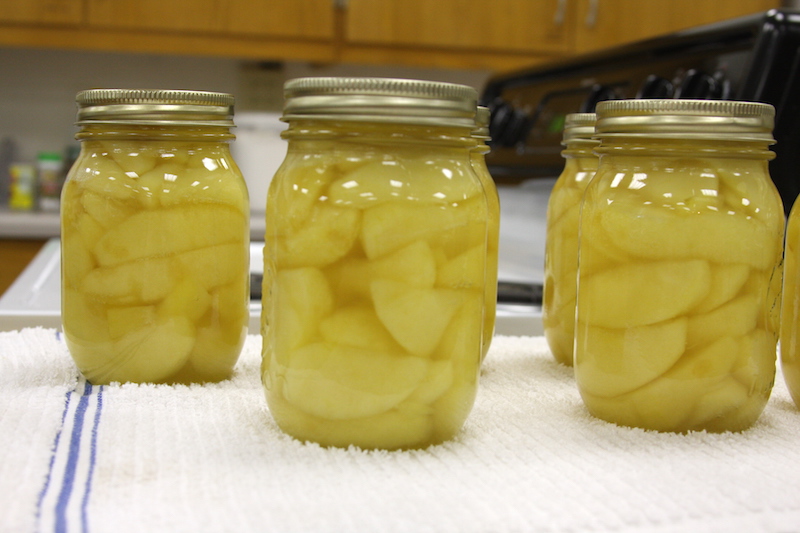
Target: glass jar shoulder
(141,174)
(364,175)
(731,185)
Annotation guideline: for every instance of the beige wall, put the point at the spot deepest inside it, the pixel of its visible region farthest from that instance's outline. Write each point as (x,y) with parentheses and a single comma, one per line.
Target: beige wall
(38,87)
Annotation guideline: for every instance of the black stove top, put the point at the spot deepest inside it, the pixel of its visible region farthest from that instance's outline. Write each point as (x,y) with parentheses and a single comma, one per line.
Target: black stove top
(754,58)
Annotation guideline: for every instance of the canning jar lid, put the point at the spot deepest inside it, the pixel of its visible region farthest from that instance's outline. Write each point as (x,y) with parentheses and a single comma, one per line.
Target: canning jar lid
(154,107)
(482,117)
(686,119)
(579,127)
(382,100)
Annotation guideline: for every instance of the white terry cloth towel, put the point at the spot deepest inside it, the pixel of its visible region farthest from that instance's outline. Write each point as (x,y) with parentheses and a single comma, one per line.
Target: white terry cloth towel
(119,458)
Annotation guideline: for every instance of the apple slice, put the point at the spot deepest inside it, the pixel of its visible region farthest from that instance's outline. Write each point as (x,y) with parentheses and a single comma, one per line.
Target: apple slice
(167,231)
(610,362)
(301,299)
(637,294)
(416,318)
(358,326)
(390,430)
(342,382)
(389,227)
(328,236)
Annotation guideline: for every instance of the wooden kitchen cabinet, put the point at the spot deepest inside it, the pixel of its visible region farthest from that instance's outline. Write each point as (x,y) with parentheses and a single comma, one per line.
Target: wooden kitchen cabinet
(459,32)
(470,34)
(16,255)
(604,23)
(42,11)
(274,18)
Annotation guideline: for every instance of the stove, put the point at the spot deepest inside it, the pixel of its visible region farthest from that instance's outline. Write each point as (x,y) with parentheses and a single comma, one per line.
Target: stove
(754,58)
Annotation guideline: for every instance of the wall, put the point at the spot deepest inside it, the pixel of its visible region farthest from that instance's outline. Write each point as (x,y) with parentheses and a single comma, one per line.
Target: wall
(38,87)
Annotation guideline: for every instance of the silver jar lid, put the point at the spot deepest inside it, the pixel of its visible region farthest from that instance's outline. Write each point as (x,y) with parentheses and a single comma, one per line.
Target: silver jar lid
(482,117)
(579,127)
(686,119)
(154,107)
(382,100)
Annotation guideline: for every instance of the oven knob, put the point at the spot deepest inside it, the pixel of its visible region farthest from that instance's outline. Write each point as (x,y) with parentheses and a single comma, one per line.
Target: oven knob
(507,126)
(656,87)
(700,85)
(597,94)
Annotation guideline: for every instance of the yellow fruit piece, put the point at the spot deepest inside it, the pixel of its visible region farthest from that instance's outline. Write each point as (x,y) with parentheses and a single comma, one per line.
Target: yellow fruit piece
(726,282)
(389,227)
(342,382)
(737,317)
(755,368)
(462,337)
(214,266)
(660,234)
(389,430)
(213,182)
(295,193)
(187,299)
(560,283)
(76,260)
(134,283)
(133,156)
(301,299)
(667,402)
(451,409)
(428,180)
(106,211)
(102,175)
(414,265)
(123,320)
(687,181)
(167,231)
(726,396)
(350,279)
(84,318)
(559,330)
(358,326)
(610,362)
(328,236)
(465,271)
(151,354)
(638,294)
(416,318)
(158,182)
(435,383)
(89,231)
(595,253)
(744,189)
(214,355)
(563,201)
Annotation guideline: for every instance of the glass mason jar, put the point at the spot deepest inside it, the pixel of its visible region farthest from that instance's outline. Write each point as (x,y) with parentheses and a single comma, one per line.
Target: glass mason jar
(790,313)
(679,269)
(374,264)
(478,156)
(561,242)
(154,239)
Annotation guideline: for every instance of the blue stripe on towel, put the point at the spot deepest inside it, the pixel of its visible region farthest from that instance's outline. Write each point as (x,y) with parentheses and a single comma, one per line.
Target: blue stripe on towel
(64,499)
(92,460)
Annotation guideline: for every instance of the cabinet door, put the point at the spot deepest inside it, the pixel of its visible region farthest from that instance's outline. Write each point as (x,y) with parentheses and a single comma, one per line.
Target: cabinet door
(275,18)
(501,25)
(41,11)
(603,23)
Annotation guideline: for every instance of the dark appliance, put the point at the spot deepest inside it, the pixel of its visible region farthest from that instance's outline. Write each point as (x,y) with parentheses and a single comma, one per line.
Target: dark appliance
(752,58)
